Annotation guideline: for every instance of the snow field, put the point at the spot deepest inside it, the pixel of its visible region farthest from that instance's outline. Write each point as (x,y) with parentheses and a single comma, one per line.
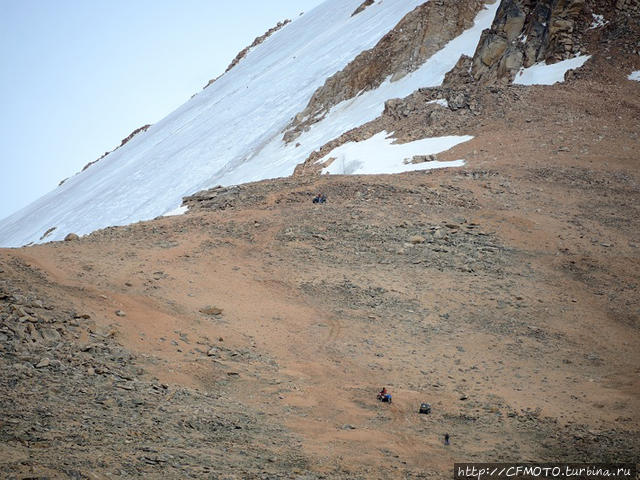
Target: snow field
(231,132)
(217,136)
(378,155)
(543,74)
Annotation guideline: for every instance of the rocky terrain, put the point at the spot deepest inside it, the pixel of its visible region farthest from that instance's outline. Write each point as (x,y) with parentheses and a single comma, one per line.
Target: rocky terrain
(417,37)
(248,338)
(523,33)
(527,32)
(472,94)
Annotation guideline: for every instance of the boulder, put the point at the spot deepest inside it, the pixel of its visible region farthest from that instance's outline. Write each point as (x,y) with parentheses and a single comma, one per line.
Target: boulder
(45,362)
(211,310)
(50,335)
(457,100)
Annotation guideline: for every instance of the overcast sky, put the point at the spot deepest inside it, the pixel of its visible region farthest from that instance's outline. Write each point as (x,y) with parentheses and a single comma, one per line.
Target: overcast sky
(78,76)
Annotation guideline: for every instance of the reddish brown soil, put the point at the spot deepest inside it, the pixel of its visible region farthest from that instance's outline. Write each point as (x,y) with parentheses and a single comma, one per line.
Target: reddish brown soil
(521,297)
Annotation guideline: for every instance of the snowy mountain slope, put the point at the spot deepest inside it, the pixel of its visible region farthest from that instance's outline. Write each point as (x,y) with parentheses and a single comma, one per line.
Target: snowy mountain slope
(369,105)
(231,132)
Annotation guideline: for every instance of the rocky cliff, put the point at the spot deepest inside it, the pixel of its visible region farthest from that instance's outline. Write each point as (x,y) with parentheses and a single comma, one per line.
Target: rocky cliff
(523,33)
(526,32)
(419,35)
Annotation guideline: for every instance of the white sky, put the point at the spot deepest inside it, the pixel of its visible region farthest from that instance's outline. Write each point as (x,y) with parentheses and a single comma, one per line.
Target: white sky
(77,77)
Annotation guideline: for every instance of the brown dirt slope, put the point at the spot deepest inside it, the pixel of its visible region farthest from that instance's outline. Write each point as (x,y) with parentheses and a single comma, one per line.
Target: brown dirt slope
(503,293)
(248,338)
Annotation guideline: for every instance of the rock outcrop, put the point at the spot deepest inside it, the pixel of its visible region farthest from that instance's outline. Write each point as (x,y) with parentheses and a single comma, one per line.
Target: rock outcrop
(419,35)
(362,7)
(422,114)
(525,32)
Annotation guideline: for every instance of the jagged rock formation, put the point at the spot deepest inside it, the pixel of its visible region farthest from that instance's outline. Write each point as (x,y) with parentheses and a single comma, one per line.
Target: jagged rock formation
(243,53)
(525,32)
(362,7)
(419,35)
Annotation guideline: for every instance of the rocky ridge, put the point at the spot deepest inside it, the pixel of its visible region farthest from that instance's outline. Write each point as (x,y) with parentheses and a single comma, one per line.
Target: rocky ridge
(420,34)
(243,53)
(525,32)
(124,141)
(472,92)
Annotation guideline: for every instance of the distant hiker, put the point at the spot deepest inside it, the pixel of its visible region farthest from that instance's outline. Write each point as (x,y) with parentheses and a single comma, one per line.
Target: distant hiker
(446,439)
(384,396)
(320,198)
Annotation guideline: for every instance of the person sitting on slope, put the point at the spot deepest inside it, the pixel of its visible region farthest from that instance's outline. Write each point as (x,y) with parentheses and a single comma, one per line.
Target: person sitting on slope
(384,395)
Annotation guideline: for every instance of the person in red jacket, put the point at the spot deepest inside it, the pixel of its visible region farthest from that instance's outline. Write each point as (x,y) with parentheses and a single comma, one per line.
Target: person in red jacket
(384,396)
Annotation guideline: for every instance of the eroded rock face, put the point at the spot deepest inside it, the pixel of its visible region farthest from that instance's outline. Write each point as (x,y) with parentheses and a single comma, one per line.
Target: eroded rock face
(525,32)
(419,35)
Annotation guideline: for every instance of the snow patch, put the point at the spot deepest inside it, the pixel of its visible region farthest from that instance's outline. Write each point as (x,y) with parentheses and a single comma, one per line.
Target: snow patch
(543,74)
(177,211)
(441,101)
(598,21)
(378,155)
(635,76)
